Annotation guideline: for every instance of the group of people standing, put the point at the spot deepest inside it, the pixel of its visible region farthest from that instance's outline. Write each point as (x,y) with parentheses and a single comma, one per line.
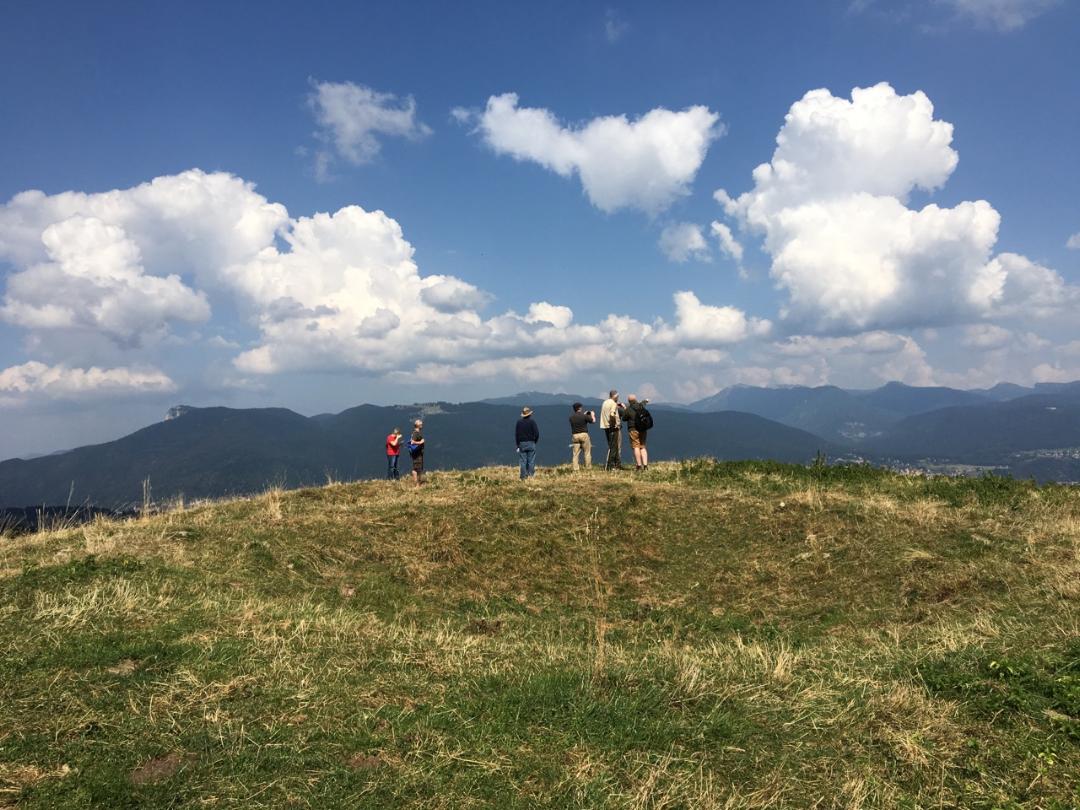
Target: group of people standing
(415,446)
(613,416)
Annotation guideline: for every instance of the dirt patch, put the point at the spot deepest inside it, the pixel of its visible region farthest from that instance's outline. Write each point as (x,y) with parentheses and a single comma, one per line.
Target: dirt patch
(125,667)
(364,762)
(485,627)
(159,769)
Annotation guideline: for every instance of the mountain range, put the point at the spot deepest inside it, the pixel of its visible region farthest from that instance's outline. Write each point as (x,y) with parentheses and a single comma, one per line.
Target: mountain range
(856,418)
(217,451)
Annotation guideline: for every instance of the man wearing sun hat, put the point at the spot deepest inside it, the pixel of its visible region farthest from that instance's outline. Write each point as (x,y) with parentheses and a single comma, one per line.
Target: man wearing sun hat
(526,435)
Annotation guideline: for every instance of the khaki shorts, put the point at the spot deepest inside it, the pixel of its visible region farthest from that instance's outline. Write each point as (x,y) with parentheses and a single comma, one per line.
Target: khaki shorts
(637,438)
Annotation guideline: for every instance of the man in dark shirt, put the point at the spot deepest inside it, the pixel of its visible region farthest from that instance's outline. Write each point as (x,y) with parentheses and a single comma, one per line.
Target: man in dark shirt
(635,427)
(526,435)
(579,435)
(416,450)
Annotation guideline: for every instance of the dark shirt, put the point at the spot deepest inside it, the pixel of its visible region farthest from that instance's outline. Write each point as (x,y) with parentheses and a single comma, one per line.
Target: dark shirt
(579,423)
(630,415)
(526,430)
(418,438)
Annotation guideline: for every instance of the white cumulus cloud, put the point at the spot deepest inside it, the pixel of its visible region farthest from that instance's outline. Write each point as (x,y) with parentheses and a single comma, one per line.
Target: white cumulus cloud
(353,117)
(848,251)
(328,292)
(554,314)
(357,301)
(862,262)
(986,337)
(877,354)
(876,342)
(1024,288)
(63,382)
(189,224)
(1074,241)
(683,241)
(95,281)
(703,326)
(646,163)
(728,243)
(448,294)
(378,324)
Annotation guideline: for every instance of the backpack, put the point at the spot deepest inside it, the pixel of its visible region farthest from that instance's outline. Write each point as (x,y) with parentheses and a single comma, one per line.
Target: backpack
(414,449)
(643,421)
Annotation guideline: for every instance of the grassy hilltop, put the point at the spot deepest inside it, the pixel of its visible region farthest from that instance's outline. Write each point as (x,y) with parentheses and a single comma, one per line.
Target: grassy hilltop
(715,635)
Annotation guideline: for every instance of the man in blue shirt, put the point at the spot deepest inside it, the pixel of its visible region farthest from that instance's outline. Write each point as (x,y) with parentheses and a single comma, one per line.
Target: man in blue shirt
(526,435)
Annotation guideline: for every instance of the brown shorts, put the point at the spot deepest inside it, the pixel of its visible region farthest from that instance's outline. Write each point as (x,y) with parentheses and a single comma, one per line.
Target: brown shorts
(418,463)
(637,438)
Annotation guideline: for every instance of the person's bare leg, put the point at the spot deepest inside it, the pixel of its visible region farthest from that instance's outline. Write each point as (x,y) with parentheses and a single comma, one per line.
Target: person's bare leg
(644,456)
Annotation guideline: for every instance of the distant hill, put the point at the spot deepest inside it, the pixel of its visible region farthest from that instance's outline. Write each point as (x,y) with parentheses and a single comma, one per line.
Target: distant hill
(1005,391)
(828,411)
(906,400)
(534,398)
(854,417)
(988,433)
(215,452)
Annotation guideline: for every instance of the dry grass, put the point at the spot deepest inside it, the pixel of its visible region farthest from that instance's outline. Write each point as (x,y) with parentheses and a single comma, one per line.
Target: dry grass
(746,642)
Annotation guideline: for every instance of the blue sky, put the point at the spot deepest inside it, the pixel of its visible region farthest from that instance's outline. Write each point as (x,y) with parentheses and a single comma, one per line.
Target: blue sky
(592,194)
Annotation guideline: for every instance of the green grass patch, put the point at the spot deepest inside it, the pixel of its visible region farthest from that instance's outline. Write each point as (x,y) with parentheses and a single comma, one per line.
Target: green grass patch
(728,635)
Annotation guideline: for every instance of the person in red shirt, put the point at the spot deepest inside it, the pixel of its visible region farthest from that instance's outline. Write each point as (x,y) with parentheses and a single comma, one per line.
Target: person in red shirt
(393,450)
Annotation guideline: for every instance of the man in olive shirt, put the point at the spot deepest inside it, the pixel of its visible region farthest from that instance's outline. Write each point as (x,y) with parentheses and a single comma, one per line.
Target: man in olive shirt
(579,435)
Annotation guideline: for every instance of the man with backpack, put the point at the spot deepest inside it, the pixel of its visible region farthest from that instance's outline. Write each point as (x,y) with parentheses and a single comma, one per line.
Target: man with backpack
(639,422)
(416,452)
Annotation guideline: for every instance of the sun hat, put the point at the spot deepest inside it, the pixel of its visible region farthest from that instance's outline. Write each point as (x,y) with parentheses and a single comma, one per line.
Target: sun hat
(526,411)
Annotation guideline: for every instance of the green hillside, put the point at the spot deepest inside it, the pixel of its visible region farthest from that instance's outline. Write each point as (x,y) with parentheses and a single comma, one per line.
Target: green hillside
(719,635)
